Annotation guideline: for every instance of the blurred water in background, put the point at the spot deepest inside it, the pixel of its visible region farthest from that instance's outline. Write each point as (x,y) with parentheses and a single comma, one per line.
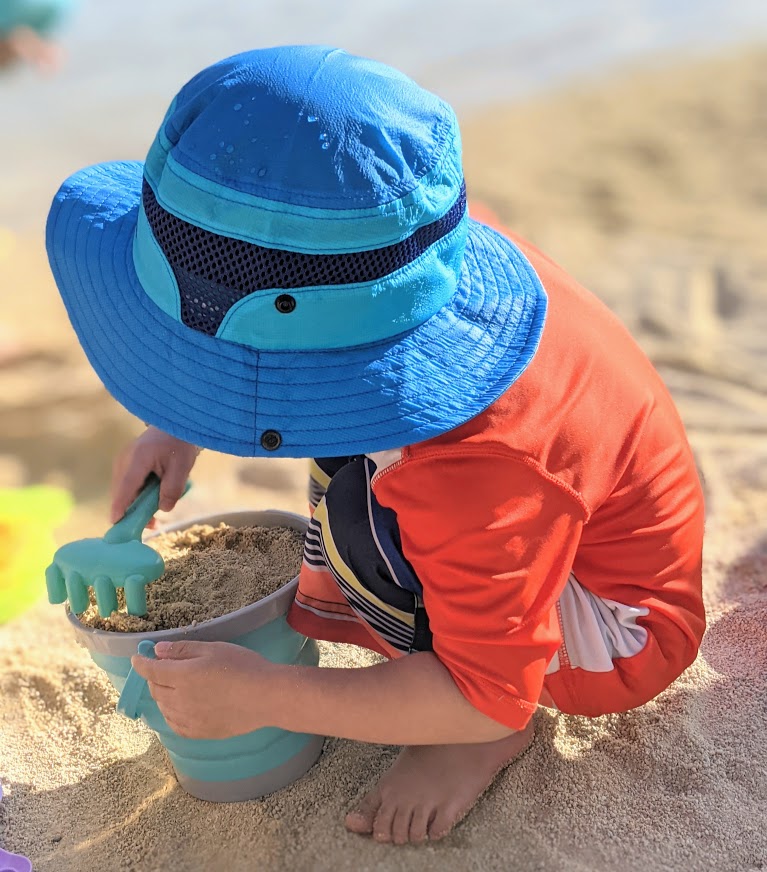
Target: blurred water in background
(126,60)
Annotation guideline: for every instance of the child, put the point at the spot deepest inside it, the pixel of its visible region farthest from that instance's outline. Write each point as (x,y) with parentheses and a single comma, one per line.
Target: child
(502,487)
(26,28)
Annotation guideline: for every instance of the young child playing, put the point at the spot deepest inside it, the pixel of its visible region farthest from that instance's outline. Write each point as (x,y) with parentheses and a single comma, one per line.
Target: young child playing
(26,32)
(502,487)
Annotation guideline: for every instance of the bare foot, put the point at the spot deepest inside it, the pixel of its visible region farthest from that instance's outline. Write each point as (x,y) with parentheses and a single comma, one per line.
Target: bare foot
(430,788)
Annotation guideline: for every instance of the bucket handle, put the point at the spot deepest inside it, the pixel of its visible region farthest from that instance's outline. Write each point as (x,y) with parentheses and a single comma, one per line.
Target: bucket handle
(134,688)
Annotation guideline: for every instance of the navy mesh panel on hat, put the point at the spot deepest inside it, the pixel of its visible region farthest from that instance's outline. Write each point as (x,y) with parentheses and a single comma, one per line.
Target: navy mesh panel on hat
(214,272)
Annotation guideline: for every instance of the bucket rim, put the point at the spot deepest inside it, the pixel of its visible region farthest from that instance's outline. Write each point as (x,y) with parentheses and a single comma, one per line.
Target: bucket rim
(223,628)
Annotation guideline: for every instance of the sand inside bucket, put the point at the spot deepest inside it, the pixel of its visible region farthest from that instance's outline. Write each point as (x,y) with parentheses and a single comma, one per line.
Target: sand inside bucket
(209,572)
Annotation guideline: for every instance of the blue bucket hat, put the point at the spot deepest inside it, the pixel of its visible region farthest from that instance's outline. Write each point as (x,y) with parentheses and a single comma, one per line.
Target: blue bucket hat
(293,270)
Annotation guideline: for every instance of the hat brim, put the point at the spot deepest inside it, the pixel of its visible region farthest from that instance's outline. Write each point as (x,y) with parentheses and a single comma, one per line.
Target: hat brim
(221,395)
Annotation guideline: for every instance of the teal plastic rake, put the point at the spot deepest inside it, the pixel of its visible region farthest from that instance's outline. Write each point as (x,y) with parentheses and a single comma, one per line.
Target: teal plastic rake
(120,559)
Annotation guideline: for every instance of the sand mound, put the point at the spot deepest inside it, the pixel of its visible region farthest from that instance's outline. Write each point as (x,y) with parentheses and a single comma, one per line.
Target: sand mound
(209,572)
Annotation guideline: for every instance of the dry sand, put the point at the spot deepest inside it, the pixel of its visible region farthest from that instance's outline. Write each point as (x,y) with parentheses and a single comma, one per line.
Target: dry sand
(652,190)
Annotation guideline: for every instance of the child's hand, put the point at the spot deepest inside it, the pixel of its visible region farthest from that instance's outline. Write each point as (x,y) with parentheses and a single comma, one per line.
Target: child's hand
(153,451)
(208,690)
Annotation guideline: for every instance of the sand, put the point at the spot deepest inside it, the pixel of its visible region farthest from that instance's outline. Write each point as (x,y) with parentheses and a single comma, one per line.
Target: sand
(209,572)
(651,189)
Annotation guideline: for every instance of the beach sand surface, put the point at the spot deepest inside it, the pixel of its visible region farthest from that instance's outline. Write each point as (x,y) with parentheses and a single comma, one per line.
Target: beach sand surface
(652,189)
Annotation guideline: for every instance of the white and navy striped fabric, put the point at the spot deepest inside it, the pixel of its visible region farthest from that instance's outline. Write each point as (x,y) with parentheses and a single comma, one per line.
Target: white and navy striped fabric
(356,540)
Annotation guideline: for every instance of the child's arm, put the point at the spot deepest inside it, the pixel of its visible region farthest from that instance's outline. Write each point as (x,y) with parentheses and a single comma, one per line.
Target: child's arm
(409,701)
(214,690)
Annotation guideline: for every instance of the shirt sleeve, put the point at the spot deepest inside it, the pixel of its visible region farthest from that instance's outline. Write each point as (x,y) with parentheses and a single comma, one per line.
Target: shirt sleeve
(492,538)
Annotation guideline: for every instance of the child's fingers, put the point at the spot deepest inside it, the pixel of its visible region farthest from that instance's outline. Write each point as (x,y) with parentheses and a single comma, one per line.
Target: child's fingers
(163,696)
(178,725)
(155,673)
(182,650)
(172,483)
(153,451)
(127,483)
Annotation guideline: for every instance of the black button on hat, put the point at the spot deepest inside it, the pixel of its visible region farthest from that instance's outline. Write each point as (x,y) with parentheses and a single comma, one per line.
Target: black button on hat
(271,440)
(285,303)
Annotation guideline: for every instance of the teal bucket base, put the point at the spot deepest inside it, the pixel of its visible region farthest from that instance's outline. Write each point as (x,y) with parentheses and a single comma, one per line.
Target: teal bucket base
(244,789)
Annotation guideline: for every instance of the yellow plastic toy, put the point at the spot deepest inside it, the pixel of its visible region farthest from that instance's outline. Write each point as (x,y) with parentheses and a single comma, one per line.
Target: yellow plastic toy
(28,517)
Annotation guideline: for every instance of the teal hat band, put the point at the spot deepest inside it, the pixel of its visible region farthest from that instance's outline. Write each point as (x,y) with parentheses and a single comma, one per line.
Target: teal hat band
(275,300)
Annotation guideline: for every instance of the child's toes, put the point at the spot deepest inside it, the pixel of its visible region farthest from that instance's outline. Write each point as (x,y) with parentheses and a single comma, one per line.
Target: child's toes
(382,827)
(400,828)
(360,820)
(419,823)
(445,818)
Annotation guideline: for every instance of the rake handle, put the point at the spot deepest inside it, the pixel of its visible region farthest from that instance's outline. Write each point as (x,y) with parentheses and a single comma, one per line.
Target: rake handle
(138,514)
